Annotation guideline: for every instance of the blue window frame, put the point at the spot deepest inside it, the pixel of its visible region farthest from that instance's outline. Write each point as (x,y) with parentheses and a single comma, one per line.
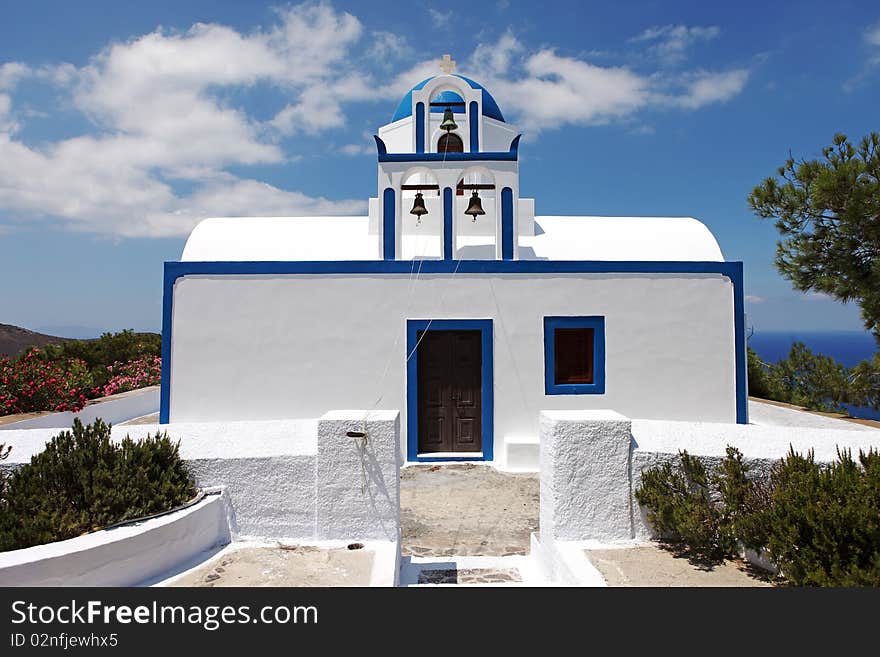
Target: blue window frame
(574,337)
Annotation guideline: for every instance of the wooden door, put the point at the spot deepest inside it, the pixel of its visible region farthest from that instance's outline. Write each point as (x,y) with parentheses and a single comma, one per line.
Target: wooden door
(449,391)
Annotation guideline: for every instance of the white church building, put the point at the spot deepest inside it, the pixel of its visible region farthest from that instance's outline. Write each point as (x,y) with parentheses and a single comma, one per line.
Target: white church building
(453,302)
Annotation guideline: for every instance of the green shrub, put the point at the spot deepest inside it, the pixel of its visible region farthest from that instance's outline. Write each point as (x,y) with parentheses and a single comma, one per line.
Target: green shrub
(758,373)
(820,525)
(107,350)
(811,380)
(681,507)
(83,481)
(823,523)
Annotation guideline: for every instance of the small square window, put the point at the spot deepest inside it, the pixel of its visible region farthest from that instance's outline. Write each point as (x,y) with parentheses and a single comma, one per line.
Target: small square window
(573,355)
(574,349)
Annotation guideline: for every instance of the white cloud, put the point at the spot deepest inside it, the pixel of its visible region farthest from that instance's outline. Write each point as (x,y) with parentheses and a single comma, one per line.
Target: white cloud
(495,58)
(160,119)
(817,296)
(545,90)
(167,129)
(357,149)
(440,18)
(754,298)
(558,90)
(11,73)
(705,88)
(669,43)
(7,124)
(388,47)
(872,35)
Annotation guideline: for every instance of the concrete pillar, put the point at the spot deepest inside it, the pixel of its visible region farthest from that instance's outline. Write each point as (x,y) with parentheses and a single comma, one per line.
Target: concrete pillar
(584,481)
(358,479)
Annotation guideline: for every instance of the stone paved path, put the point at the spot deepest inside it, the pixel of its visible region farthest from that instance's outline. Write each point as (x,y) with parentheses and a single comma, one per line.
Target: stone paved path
(470,576)
(467,510)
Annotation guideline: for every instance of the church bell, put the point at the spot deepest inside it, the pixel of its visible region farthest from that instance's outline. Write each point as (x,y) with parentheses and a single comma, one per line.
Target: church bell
(475,208)
(449,123)
(418,207)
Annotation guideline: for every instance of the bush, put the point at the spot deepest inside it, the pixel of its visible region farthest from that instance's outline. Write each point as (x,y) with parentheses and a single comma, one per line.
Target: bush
(106,351)
(32,384)
(824,522)
(810,380)
(132,375)
(758,373)
(82,481)
(820,525)
(684,505)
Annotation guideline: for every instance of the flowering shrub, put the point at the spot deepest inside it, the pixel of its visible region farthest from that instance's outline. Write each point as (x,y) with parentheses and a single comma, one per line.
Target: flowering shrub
(32,384)
(132,375)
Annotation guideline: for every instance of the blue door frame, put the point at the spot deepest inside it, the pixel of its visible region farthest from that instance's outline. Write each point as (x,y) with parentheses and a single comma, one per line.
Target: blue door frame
(484,326)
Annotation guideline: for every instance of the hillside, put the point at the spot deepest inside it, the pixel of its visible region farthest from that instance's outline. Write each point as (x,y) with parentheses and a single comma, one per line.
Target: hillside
(14,338)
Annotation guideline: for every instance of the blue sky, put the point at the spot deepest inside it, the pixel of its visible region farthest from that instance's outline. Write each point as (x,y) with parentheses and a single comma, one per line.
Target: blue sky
(122,124)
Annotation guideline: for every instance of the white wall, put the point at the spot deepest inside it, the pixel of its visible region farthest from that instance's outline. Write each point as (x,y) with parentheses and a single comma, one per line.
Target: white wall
(124,556)
(263,347)
(119,408)
(284,479)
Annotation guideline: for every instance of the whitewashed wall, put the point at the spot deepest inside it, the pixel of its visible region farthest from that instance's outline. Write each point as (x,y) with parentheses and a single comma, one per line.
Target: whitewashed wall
(265,347)
(118,408)
(130,555)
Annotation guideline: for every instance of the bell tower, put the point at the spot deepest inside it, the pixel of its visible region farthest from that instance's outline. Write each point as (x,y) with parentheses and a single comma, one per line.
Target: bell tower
(448,175)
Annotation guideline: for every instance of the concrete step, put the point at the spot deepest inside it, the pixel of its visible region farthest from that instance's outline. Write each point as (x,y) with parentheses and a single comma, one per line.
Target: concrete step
(522,453)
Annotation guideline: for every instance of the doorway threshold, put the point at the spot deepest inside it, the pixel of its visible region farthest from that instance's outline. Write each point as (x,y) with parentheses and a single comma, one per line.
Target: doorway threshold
(451,455)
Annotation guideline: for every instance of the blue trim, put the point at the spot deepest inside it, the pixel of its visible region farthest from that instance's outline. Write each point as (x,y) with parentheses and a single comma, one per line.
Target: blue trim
(474,121)
(447,223)
(185,268)
(448,157)
(388,242)
(731,270)
(740,354)
(420,128)
(597,323)
(514,145)
(490,107)
(380,145)
(413,326)
(169,278)
(507,223)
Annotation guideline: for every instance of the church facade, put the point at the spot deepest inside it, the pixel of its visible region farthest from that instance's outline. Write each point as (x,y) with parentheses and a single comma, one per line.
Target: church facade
(454,303)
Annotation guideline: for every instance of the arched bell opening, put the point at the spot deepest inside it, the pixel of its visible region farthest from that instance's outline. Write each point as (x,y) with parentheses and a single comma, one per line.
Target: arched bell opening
(476,235)
(448,120)
(421,210)
(450,143)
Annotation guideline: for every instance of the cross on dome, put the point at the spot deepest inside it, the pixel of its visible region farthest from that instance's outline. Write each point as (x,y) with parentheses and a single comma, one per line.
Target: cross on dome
(447,64)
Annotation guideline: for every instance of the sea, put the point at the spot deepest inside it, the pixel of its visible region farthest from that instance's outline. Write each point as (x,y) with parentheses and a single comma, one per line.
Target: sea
(847,347)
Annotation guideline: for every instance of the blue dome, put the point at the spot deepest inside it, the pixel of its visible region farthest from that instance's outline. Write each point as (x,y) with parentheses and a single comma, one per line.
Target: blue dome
(490,107)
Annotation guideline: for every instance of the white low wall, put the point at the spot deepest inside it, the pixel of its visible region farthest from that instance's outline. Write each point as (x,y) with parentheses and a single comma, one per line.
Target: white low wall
(286,479)
(358,480)
(584,476)
(592,462)
(118,408)
(124,556)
